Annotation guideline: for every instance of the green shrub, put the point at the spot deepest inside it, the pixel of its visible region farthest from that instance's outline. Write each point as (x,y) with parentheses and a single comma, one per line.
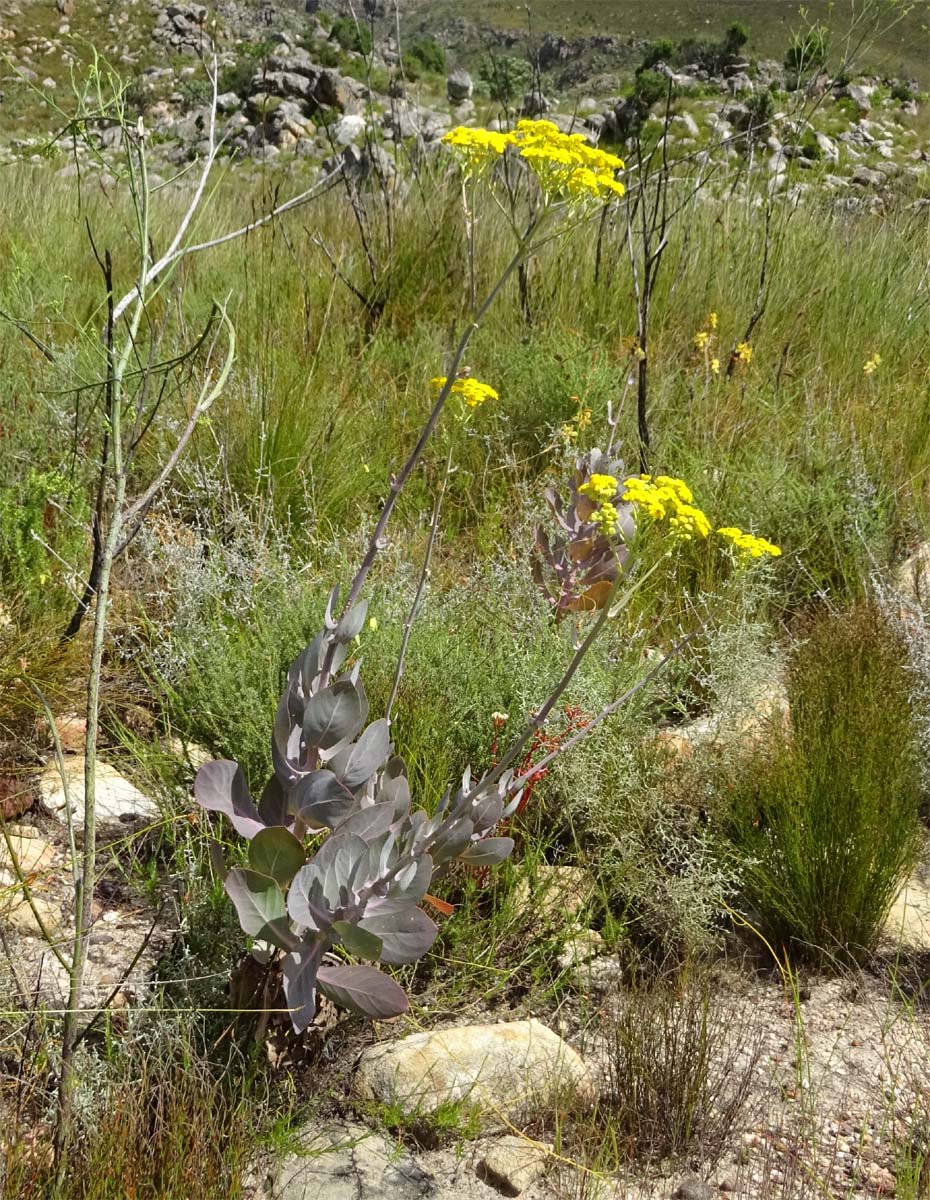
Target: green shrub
(735,38)
(37,532)
(827,822)
(427,54)
(351,35)
(650,88)
(808,50)
(507,77)
(902,91)
(662,50)
(238,77)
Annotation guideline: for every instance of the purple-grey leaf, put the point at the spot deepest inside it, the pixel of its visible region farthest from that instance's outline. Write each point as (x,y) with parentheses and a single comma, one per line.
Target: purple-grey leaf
(276,852)
(272,806)
(367,755)
(321,801)
(300,976)
(260,906)
(358,941)
(368,823)
(217,861)
(220,787)
(364,990)
(488,853)
(452,842)
(406,933)
(352,624)
(334,715)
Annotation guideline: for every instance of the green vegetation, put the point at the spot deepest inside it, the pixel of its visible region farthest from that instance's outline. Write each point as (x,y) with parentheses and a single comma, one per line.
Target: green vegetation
(826,819)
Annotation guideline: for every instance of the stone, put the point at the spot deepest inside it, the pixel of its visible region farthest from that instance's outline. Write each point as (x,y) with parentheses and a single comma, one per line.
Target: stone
(334,91)
(908,921)
(860,97)
(349,1162)
(535,104)
(119,803)
(513,1164)
(459,86)
(32,852)
(20,916)
(71,729)
(828,148)
(511,1071)
(692,1187)
(557,895)
(689,123)
(580,949)
(228,102)
(865,177)
(347,129)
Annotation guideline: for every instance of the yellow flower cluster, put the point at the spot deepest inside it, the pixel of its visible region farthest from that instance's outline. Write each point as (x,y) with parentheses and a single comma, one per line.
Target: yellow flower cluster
(743,353)
(872,364)
(664,498)
(704,341)
(564,163)
(600,488)
(748,546)
(472,391)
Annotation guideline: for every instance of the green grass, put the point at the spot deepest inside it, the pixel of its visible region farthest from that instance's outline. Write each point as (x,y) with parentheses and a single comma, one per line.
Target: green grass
(826,819)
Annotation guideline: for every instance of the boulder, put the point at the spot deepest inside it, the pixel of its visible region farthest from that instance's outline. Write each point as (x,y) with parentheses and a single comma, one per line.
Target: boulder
(867,178)
(335,91)
(349,128)
(512,1164)
(459,86)
(535,104)
(120,805)
(829,150)
(860,97)
(510,1072)
(349,1162)
(908,921)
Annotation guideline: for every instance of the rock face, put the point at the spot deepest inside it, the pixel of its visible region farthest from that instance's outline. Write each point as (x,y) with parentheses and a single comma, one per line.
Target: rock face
(349,1162)
(120,804)
(513,1070)
(459,86)
(513,1164)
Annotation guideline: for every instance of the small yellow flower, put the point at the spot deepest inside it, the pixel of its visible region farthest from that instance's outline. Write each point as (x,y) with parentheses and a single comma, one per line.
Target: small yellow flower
(584,418)
(712,320)
(472,391)
(600,488)
(569,432)
(606,518)
(701,338)
(747,546)
(872,364)
(373,624)
(715,366)
(743,353)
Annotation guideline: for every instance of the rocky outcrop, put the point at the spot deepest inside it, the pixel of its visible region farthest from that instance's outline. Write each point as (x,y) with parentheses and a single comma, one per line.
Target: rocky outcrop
(507,1072)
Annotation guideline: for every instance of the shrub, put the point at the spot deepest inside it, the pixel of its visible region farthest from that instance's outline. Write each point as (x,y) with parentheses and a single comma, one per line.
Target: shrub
(427,54)
(761,106)
(679,1070)
(735,38)
(36,529)
(507,77)
(662,50)
(351,35)
(238,77)
(650,88)
(828,822)
(808,50)
(902,91)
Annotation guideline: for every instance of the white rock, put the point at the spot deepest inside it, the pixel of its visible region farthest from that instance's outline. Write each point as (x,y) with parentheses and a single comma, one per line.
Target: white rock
(348,129)
(513,1164)
(511,1071)
(119,803)
(33,853)
(908,923)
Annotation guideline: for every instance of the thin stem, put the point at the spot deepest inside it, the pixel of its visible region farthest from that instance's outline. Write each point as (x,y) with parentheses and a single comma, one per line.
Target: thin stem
(421,587)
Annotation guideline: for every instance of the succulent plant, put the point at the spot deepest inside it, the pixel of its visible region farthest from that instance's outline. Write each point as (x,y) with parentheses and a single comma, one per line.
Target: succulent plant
(577,569)
(335,774)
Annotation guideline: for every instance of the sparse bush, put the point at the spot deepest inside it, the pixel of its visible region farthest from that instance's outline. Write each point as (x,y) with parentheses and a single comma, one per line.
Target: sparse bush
(650,87)
(426,54)
(902,91)
(238,77)
(680,1066)
(808,51)
(351,35)
(761,106)
(507,77)
(662,50)
(827,818)
(735,38)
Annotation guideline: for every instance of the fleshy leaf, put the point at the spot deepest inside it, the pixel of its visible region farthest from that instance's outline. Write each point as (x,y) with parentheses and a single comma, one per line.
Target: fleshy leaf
(352,624)
(300,969)
(368,823)
(321,800)
(367,756)
(407,933)
(334,715)
(260,906)
(364,990)
(488,853)
(220,787)
(276,852)
(272,806)
(359,941)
